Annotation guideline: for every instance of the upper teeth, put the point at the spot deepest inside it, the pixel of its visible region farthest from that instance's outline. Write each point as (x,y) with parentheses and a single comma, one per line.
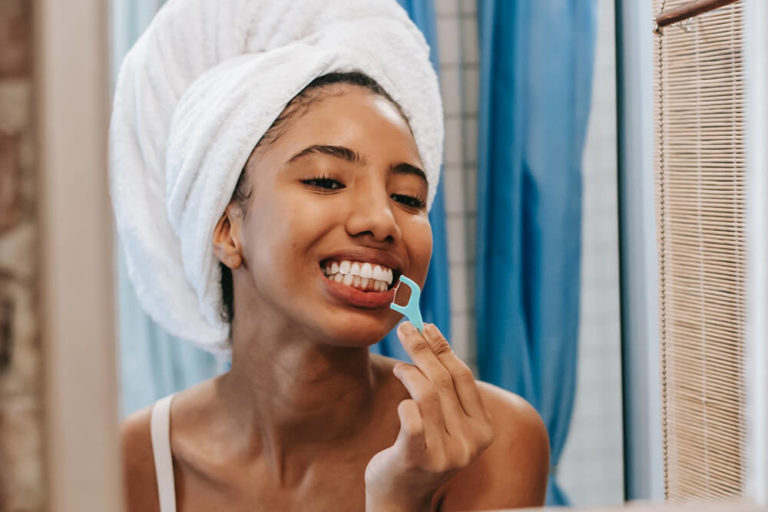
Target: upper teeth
(364,270)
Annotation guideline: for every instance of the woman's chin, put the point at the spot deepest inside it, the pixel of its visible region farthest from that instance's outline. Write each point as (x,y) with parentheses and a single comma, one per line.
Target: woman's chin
(360,334)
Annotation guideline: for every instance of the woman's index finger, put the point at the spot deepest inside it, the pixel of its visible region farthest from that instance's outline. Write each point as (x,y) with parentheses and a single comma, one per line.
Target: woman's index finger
(463,379)
(416,345)
(437,341)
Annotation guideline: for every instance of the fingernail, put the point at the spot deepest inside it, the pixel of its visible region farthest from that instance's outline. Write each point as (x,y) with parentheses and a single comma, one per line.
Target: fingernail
(430,329)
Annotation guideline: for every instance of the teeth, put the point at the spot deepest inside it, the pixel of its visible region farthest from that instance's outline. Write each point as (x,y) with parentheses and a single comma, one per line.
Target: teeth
(363,283)
(363,275)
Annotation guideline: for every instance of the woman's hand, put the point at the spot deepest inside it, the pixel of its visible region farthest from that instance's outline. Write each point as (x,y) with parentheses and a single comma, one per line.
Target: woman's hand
(443,428)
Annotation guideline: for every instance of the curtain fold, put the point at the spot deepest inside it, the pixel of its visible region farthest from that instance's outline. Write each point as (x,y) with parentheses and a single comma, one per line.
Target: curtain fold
(536,62)
(435,297)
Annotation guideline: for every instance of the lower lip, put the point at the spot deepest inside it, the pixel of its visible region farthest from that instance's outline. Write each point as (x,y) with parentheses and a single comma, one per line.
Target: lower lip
(355,297)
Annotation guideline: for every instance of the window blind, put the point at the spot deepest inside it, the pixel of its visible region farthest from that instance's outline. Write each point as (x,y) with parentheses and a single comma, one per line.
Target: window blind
(700,203)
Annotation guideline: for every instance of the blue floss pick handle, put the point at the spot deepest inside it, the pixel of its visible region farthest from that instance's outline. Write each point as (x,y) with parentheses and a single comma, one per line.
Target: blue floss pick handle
(411,310)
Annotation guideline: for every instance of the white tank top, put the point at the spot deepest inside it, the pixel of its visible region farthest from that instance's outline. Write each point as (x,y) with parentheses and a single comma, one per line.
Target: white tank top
(161,449)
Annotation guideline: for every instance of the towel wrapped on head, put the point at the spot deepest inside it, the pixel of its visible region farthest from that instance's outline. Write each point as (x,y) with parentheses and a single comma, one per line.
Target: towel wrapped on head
(194,96)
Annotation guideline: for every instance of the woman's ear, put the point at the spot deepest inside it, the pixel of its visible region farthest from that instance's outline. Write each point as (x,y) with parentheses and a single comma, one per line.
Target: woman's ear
(226,237)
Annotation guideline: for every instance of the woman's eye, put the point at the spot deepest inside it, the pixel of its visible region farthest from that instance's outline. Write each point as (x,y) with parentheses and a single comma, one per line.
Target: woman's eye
(411,201)
(324,182)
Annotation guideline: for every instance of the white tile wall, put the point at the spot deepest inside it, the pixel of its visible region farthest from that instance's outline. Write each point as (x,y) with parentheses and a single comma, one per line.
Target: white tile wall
(456,171)
(591,467)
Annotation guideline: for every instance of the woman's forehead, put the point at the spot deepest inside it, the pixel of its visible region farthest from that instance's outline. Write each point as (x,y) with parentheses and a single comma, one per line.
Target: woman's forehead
(354,117)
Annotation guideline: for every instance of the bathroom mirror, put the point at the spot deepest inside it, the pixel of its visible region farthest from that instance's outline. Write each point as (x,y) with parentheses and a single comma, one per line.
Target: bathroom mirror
(627,428)
(586,404)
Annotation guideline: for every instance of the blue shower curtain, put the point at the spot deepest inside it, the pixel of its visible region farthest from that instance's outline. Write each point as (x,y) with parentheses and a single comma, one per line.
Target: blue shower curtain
(153,363)
(536,73)
(435,297)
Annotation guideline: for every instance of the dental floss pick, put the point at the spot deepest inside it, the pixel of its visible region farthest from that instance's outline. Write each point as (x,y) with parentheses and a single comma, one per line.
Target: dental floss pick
(411,310)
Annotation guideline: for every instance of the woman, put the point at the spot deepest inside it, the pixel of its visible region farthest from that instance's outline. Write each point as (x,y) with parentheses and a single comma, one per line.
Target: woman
(335,190)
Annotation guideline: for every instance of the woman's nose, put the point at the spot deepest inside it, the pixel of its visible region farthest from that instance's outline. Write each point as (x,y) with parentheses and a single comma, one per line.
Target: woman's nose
(371,214)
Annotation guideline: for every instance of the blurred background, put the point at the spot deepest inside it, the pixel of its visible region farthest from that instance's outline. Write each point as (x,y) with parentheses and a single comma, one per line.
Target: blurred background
(548,274)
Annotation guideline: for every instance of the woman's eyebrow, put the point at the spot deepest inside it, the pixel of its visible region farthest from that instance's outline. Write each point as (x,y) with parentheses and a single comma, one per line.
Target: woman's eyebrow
(404,168)
(352,156)
(334,151)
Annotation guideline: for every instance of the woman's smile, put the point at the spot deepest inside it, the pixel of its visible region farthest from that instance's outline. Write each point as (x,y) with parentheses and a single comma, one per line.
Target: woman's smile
(356,296)
(361,277)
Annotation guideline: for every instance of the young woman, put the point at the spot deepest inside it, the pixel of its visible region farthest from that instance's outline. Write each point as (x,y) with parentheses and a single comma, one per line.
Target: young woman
(328,212)
(307,418)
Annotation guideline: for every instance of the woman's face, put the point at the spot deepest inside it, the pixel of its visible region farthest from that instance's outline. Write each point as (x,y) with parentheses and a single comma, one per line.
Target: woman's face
(338,194)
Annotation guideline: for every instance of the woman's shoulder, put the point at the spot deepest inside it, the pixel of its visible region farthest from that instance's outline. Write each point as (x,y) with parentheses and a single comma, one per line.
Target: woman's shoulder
(508,409)
(519,430)
(139,482)
(513,470)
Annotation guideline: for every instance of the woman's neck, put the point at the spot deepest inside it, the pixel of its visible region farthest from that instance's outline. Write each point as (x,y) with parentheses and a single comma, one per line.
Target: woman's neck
(291,396)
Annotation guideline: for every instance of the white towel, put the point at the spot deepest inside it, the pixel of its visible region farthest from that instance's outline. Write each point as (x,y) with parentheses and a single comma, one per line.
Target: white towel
(195,95)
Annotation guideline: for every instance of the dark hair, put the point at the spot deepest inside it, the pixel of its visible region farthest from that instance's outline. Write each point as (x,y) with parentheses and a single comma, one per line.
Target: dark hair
(296,107)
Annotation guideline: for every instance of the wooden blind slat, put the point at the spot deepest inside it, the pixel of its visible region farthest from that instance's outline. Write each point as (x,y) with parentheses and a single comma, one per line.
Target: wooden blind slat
(700,203)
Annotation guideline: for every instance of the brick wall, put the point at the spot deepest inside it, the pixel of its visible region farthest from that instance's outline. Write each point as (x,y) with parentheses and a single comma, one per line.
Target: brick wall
(21,447)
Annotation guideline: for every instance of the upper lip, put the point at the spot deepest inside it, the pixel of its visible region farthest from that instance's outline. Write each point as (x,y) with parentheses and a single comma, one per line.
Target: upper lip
(364,254)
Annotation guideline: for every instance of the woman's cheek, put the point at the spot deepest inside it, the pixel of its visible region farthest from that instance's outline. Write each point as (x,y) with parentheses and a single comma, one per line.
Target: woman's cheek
(417,234)
(272,241)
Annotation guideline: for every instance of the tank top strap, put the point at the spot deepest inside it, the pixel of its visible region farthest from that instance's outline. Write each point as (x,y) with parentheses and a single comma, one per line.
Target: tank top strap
(161,449)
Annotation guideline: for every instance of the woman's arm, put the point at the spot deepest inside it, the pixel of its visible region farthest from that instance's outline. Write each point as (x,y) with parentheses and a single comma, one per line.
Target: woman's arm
(139,483)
